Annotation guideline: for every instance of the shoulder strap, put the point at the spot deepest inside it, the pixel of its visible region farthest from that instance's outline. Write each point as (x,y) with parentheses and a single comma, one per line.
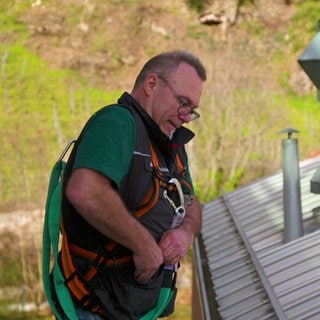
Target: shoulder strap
(50,241)
(183,173)
(167,292)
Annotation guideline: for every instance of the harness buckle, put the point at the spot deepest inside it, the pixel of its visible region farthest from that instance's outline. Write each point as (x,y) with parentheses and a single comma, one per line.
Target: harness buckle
(100,264)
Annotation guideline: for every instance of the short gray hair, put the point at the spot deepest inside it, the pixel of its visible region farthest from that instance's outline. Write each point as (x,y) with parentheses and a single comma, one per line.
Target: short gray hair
(164,63)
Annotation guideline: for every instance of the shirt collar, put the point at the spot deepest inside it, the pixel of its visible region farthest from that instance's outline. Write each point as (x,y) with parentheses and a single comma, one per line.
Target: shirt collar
(180,137)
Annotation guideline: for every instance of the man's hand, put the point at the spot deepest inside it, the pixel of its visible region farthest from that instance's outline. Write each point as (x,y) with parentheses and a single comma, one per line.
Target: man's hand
(147,262)
(174,245)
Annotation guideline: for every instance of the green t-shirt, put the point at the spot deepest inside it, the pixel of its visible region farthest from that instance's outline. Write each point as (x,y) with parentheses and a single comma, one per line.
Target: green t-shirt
(107,145)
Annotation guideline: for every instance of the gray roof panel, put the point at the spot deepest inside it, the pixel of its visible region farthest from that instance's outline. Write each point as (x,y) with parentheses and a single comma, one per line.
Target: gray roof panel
(254,274)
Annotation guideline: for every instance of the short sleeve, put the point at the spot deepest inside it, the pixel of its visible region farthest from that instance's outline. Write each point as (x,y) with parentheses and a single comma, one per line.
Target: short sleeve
(107,144)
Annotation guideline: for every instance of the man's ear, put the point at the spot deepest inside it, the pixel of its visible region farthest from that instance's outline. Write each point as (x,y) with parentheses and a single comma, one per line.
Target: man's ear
(150,84)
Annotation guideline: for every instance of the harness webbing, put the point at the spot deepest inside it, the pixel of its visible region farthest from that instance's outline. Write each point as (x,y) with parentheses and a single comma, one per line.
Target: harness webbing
(51,235)
(70,281)
(182,172)
(77,286)
(152,196)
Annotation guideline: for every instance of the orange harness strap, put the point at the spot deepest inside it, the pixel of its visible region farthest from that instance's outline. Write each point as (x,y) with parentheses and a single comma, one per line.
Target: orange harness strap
(182,172)
(76,285)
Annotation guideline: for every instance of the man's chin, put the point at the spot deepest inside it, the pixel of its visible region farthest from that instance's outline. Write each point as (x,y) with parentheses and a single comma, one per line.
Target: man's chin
(168,133)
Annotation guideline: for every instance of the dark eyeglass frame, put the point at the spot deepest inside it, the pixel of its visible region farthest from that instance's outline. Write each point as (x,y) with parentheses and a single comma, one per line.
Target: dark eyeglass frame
(184,107)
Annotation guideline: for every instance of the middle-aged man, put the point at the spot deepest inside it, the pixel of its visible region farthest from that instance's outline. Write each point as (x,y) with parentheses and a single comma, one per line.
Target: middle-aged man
(122,193)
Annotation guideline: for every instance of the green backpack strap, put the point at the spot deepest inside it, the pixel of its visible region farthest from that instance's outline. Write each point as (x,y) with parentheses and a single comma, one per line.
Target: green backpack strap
(51,235)
(166,294)
(163,300)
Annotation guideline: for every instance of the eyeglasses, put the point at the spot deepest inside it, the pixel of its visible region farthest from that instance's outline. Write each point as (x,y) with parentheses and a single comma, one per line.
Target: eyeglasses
(184,107)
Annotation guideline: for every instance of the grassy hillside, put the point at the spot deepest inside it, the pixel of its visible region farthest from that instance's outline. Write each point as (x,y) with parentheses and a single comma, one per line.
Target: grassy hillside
(41,110)
(62,60)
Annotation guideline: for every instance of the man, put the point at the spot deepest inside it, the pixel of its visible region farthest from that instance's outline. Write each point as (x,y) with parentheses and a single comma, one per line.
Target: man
(119,201)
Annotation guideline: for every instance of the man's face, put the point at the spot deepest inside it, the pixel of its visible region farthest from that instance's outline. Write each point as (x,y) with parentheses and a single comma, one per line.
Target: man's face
(183,88)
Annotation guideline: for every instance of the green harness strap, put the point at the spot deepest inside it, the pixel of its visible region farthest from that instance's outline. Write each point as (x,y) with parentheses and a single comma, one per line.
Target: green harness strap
(51,236)
(163,300)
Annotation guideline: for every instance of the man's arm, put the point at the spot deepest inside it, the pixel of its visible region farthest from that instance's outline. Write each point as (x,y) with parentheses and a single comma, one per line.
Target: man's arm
(94,197)
(175,243)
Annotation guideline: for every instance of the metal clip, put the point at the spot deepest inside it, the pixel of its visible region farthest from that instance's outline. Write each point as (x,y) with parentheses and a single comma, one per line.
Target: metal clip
(179,210)
(65,150)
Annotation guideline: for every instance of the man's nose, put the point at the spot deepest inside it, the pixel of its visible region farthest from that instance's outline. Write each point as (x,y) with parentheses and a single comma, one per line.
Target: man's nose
(185,117)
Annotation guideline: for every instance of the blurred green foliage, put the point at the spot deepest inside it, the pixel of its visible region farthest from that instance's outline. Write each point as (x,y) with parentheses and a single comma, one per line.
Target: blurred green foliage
(41,110)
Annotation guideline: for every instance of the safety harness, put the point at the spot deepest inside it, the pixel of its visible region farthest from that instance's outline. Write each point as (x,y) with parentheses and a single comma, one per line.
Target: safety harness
(64,286)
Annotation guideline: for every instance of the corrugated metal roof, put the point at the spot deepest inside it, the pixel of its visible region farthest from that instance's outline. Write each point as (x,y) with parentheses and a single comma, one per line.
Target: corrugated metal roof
(254,274)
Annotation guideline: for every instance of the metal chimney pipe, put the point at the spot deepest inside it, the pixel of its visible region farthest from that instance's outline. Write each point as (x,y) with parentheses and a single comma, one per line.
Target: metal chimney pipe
(293,226)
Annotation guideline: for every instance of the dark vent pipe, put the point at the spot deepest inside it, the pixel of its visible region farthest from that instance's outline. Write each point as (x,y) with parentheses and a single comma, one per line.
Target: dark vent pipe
(293,227)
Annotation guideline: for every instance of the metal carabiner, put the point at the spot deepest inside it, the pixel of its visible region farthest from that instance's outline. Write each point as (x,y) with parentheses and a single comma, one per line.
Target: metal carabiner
(179,211)
(171,202)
